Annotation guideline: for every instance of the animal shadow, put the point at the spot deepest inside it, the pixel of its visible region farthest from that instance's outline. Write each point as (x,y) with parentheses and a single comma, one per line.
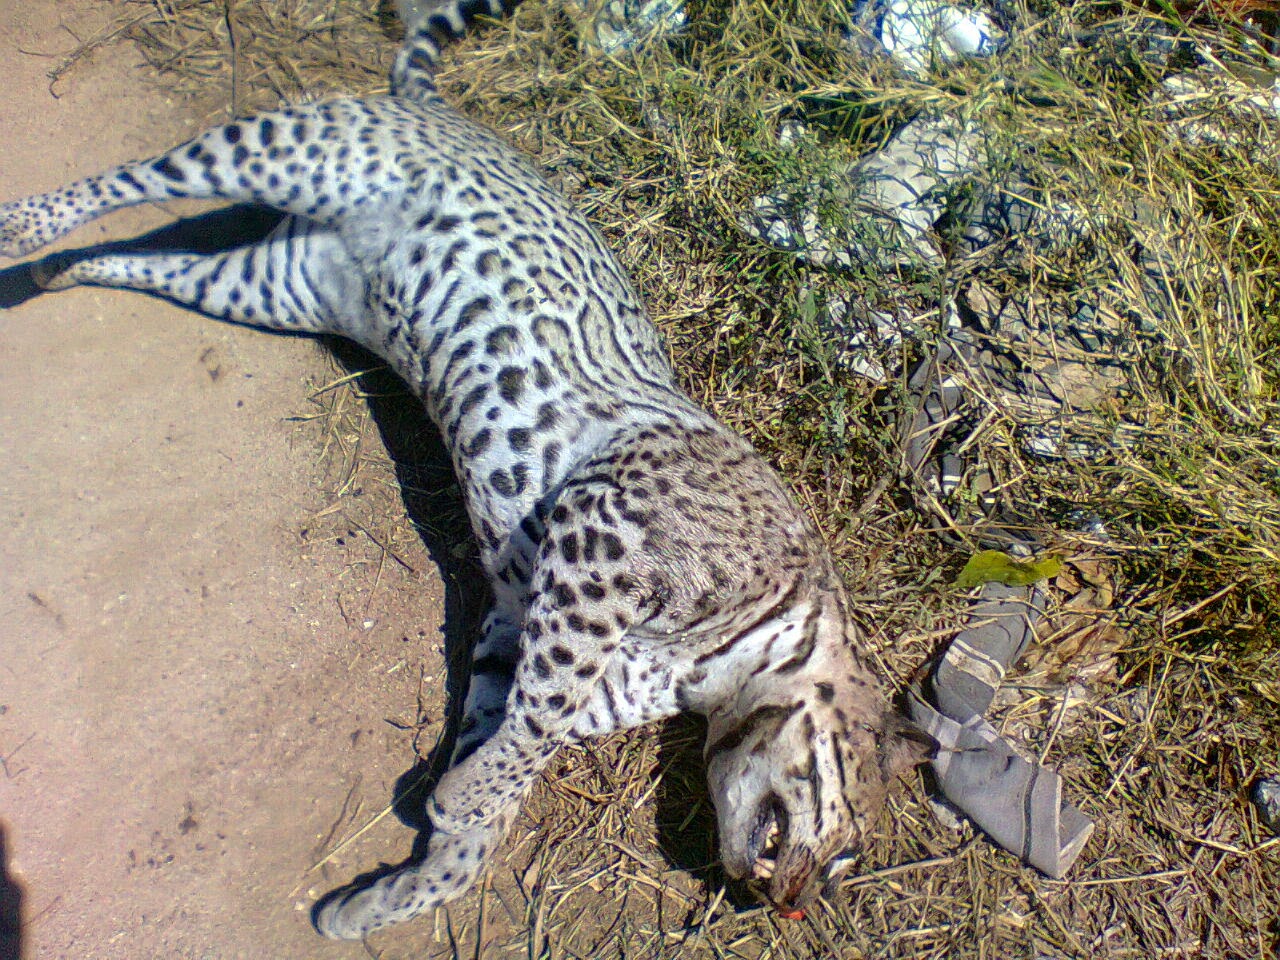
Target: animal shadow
(10,906)
(685,817)
(423,470)
(434,504)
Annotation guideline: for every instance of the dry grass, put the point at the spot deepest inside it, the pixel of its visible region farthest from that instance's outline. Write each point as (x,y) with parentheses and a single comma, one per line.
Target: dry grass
(663,149)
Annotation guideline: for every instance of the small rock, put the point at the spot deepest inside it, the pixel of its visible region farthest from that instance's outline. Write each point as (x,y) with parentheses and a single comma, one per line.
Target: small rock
(947,814)
(1140,702)
(1266,797)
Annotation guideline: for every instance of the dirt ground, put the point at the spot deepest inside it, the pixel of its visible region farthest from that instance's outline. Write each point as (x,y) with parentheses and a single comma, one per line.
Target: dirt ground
(195,684)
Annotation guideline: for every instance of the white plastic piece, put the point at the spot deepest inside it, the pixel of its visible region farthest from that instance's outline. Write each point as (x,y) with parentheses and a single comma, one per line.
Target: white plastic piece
(919,33)
(1203,107)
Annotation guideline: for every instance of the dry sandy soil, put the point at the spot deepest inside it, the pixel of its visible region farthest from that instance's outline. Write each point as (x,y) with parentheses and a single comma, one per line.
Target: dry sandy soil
(196,674)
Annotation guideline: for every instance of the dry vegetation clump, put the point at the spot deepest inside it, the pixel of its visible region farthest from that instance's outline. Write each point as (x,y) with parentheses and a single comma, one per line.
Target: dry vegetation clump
(1159,696)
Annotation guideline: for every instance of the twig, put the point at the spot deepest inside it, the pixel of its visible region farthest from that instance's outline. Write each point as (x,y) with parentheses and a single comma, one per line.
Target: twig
(233,41)
(4,760)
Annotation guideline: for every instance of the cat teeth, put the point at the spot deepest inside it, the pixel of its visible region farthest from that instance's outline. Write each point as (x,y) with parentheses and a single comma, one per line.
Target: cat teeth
(767,861)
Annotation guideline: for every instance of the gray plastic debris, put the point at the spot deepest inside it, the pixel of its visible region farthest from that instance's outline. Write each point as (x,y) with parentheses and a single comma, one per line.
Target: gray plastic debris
(1122,43)
(917,34)
(1014,209)
(882,211)
(1212,106)
(1017,802)
(610,26)
(868,336)
(1266,797)
(1012,355)
(912,176)
(887,202)
(869,339)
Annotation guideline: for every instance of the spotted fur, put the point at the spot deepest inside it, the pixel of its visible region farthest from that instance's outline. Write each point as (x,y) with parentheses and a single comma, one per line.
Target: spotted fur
(644,559)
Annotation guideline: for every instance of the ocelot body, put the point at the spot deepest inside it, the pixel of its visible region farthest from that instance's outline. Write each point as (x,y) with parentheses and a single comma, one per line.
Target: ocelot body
(644,560)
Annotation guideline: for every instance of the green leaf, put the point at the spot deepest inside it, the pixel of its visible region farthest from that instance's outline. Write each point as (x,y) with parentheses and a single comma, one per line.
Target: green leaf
(992,566)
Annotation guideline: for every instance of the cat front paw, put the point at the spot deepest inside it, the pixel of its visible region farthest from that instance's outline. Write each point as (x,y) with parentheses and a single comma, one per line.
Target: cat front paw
(351,913)
(54,272)
(451,868)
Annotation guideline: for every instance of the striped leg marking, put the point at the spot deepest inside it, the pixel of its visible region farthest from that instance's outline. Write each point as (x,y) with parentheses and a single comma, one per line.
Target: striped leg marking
(299,279)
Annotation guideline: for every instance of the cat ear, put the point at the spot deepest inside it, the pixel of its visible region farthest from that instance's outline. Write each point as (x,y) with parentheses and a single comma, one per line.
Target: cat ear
(903,746)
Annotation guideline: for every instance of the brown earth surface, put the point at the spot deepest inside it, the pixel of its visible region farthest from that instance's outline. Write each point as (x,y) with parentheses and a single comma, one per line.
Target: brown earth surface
(197,662)
(212,669)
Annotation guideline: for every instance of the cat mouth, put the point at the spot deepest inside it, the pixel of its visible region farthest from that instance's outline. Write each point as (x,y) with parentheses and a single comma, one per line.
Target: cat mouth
(766,840)
(783,869)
